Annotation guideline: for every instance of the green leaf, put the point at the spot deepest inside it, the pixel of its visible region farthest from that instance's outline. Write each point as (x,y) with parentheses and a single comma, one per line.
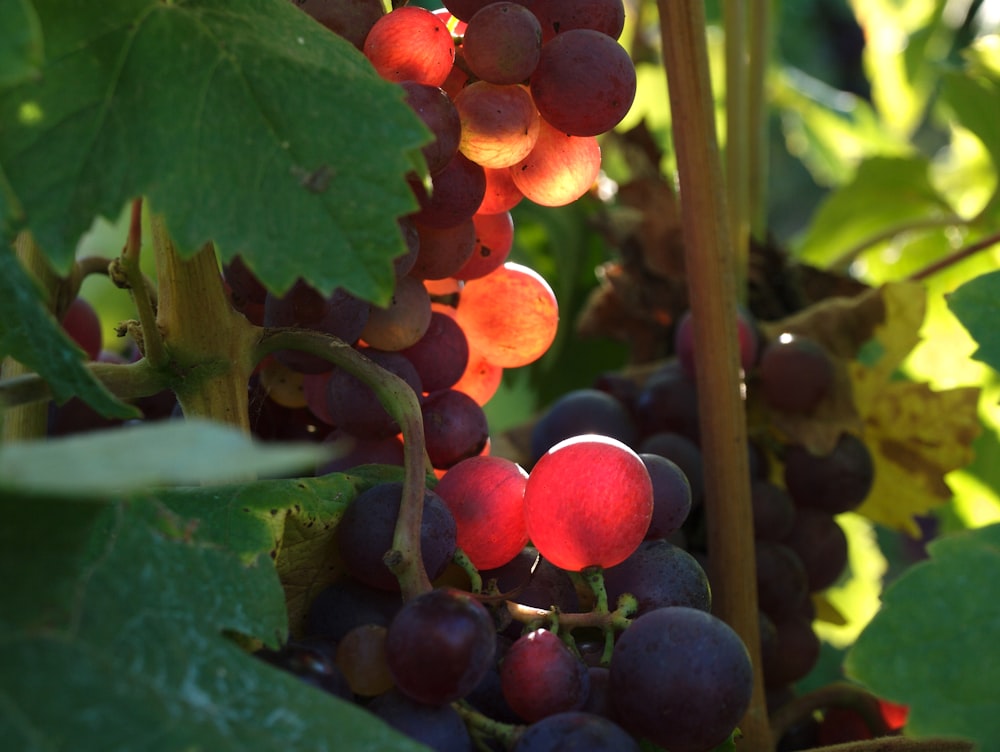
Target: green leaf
(829,130)
(122,459)
(886,193)
(242,121)
(138,657)
(977,305)
(934,645)
(298,522)
(21,47)
(31,335)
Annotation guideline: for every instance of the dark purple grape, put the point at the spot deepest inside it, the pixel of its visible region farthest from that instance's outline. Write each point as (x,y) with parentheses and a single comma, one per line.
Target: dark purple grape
(441,355)
(440,727)
(245,289)
(683,452)
(488,697)
(312,661)
(340,314)
(555,16)
(444,250)
(579,412)
(547,586)
(365,532)
(438,113)
(502,43)
(455,427)
(773,510)
(575,730)
(835,482)
(351,451)
(681,678)
(660,574)
(403,263)
(347,604)
(782,582)
(353,405)
(440,645)
(457,191)
(793,652)
(599,698)
(671,495)
(350,19)
(668,401)
(794,374)
(821,545)
(540,676)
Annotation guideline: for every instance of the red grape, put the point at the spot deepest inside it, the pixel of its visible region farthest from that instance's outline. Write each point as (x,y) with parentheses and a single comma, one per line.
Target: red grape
(499,123)
(541,677)
(584,82)
(486,498)
(494,239)
(501,193)
(560,168)
(81,323)
(557,16)
(403,321)
(411,44)
(456,193)
(502,43)
(509,316)
(795,374)
(444,250)
(350,19)
(438,113)
(455,427)
(588,502)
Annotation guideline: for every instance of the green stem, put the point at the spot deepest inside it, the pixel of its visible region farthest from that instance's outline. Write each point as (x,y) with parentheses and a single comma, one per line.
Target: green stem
(481,725)
(402,404)
(126,271)
(757,116)
(738,137)
(208,345)
(125,381)
(953,258)
(29,420)
(848,257)
(712,277)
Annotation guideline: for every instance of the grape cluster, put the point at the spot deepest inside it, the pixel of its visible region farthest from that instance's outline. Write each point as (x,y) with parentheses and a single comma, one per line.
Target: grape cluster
(572,615)
(801,550)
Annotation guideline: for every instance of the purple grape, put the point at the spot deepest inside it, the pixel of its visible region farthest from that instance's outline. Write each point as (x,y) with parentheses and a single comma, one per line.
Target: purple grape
(365,532)
(440,646)
(660,574)
(671,495)
(681,678)
(575,730)
(440,727)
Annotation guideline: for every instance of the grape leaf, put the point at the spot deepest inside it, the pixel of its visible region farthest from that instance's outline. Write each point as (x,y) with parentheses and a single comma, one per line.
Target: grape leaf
(242,121)
(137,658)
(32,336)
(885,192)
(298,525)
(163,452)
(933,647)
(21,46)
(977,305)
(916,435)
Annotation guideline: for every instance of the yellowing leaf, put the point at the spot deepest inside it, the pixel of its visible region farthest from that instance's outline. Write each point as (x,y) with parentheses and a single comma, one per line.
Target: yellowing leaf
(915,434)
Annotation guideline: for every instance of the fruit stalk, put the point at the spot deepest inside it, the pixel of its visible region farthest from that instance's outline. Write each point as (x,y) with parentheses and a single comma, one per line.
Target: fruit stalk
(712,289)
(210,364)
(401,403)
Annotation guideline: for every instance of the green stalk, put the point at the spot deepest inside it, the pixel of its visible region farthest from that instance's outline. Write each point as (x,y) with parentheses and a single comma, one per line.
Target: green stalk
(738,137)
(711,271)
(757,116)
(402,404)
(208,345)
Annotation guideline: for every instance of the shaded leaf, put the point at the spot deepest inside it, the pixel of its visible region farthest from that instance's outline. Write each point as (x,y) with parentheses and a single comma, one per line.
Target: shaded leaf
(32,336)
(125,458)
(21,46)
(224,113)
(297,524)
(945,669)
(977,305)
(139,659)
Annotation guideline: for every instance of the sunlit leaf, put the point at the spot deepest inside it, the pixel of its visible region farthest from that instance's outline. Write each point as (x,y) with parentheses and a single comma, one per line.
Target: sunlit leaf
(934,644)
(977,306)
